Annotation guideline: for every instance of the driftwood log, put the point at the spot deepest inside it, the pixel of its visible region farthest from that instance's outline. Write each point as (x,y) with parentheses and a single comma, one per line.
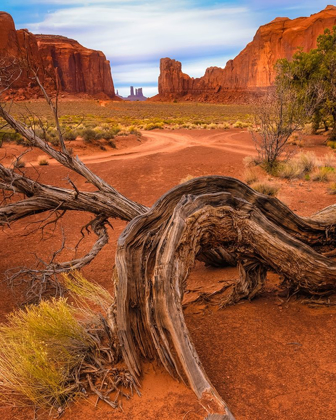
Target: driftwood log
(218,220)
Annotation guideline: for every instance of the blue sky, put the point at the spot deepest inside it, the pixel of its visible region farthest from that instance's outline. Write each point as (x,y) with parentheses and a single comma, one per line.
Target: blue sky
(135,34)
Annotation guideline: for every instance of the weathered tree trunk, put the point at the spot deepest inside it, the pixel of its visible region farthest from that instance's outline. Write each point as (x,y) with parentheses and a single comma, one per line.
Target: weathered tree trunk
(218,220)
(158,249)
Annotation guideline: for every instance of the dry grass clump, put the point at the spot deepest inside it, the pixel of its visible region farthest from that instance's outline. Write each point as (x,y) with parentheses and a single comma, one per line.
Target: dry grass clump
(250,161)
(308,161)
(324,174)
(43,161)
(40,350)
(240,124)
(329,160)
(290,170)
(266,188)
(332,188)
(298,167)
(331,144)
(81,289)
(251,176)
(54,352)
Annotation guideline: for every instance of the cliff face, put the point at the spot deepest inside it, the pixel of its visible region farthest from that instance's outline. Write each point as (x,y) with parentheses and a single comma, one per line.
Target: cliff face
(80,70)
(252,71)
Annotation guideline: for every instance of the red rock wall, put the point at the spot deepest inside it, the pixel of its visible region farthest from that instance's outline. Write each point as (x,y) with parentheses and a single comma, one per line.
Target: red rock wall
(81,70)
(253,69)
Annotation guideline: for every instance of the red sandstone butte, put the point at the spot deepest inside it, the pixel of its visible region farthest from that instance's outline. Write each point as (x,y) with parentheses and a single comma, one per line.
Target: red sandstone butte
(252,71)
(81,70)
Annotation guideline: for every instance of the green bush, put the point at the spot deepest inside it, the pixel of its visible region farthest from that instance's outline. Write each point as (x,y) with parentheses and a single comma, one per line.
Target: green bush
(89,135)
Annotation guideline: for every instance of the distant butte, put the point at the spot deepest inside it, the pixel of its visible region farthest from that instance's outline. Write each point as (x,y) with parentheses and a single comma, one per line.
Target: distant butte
(134,96)
(81,71)
(252,71)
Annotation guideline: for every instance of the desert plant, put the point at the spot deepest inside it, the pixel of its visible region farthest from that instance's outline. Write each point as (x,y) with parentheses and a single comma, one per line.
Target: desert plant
(250,176)
(266,188)
(332,188)
(43,161)
(308,161)
(323,174)
(250,161)
(331,144)
(41,348)
(329,160)
(290,169)
(89,135)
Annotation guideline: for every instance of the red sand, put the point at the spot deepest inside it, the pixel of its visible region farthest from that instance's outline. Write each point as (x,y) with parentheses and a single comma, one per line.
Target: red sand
(269,359)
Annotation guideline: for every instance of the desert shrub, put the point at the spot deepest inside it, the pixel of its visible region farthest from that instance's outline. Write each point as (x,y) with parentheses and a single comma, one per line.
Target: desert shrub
(54,141)
(250,176)
(332,188)
(298,167)
(224,126)
(329,160)
(290,170)
(250,161)
(70,134)
(266,188)
(323,174)
(112,144)
(43,161)
(332,136)
(10,136)
(44,348)
(211,126)
(308,129)
(152,126)
(240,124)
(308,161)
(89,135)
(40,349)
(331,144)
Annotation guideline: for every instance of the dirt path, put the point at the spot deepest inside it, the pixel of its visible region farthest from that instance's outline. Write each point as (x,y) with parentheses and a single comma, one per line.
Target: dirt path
(270,359)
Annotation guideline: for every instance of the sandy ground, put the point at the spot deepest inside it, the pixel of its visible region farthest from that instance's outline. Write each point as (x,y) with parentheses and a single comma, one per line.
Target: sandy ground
(269,359)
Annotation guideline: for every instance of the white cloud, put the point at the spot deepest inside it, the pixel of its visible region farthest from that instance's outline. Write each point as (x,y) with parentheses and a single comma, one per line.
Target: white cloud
(140,33)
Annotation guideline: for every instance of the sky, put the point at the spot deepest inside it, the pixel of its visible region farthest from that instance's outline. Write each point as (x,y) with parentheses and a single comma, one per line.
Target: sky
(135,34)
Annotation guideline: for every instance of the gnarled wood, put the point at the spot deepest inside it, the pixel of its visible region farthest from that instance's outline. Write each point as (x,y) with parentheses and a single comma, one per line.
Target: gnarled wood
(157,251)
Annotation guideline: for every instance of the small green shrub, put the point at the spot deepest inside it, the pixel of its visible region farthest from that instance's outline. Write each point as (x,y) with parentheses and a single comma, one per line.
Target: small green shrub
(89,135)
(70,135)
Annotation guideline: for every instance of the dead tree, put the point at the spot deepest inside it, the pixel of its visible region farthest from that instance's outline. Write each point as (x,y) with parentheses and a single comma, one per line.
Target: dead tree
(219,220)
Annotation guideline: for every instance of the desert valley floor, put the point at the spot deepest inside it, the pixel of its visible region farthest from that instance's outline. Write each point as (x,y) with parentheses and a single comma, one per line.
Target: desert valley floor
(270,359)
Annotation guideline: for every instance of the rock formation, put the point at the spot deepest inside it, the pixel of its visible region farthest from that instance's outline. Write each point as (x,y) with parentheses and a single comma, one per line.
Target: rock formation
(137,96)
(80,70)
(252,71)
